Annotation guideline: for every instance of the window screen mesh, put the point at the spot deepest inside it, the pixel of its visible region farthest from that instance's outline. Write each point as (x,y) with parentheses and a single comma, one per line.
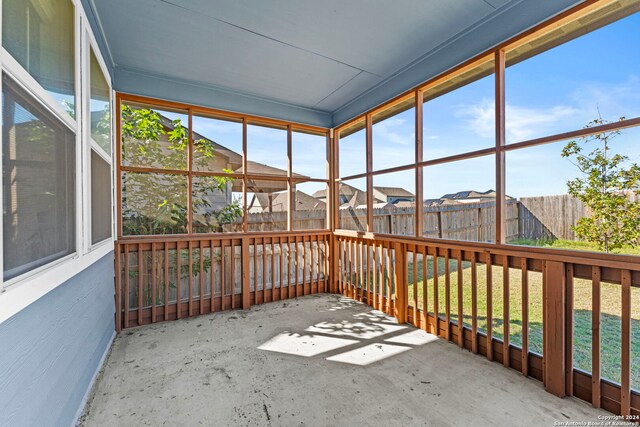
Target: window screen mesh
(38,183)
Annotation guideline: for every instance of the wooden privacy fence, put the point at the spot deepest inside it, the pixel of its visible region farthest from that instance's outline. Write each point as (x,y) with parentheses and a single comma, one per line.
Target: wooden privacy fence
(414,281)
(166,278)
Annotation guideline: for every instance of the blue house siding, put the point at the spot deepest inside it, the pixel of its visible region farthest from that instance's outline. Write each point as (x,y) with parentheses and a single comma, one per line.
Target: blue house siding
(50,351)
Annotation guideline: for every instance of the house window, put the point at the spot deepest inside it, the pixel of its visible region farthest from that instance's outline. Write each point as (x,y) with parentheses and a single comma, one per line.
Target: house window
(99,106)
(100,143)
(38,160)
(100,198)
(40,36)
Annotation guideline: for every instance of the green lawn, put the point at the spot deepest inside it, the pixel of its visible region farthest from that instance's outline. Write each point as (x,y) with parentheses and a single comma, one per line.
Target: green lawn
(610,303)
(573,245)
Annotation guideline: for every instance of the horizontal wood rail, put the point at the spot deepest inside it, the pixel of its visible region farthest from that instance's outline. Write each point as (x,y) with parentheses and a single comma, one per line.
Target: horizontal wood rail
(170,277)
(416,280)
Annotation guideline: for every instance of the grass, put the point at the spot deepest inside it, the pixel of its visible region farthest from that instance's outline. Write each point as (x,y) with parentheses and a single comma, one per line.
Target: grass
(573,245)
(610,317)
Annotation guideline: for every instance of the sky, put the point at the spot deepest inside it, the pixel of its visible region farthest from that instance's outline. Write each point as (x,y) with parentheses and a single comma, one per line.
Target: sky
(556,91)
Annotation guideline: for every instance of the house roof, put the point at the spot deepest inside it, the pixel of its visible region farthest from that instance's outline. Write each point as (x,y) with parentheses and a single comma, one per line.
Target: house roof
(260,57)
(393,191)
(279,203)
(345,190)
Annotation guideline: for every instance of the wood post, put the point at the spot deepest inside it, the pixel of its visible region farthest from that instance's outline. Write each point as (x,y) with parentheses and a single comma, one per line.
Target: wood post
(400,261)
(554,283)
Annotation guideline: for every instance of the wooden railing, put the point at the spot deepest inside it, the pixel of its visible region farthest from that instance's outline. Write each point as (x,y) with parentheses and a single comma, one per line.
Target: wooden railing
(165,278)
(516,305)
(413,279)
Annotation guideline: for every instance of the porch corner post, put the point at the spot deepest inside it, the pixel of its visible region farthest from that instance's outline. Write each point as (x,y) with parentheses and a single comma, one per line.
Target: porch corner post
(400,270)
(554,333)
(246,276)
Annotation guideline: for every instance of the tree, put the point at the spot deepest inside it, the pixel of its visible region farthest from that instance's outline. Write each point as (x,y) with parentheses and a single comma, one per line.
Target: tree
(156,203)
(608,179)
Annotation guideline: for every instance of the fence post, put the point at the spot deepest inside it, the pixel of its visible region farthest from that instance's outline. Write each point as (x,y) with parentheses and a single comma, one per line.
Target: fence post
(246,275)
(554,284)
(400,282)
(439,212)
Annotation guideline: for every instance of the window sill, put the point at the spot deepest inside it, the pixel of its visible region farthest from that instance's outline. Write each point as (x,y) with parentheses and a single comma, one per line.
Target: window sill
(28,289)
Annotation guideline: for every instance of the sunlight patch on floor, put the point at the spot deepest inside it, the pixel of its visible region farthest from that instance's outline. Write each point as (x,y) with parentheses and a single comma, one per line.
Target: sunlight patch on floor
(368,354)
(304,345)
(417,337)
(360,330)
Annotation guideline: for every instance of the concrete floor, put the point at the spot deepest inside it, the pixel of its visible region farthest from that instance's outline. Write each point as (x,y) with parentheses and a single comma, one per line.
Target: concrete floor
(313,361)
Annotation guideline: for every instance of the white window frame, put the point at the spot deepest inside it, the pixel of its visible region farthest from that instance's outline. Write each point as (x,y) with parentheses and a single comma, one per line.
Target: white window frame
(89,44)
(21,291)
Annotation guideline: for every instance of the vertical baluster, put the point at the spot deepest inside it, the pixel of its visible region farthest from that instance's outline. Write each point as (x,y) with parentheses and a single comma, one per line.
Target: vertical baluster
(224,289)
(288,268)
(460,305)
(118,296)
(127,303)
(255,271)
(304,265)
(595,336)
(153,282)
(374,289)
(273,270)
(568,343)
(190,278)
(390,308)
(140,283)
(447,295)
(264,270)
(296,265)
(474,303)
(416,313)
(625,380)
(212,282)
(525,316)
(381,264)
(166,281)
(178,281)
(425,306)
(506,354)
(201,276)
(436,290)
(232,287)
(489,265)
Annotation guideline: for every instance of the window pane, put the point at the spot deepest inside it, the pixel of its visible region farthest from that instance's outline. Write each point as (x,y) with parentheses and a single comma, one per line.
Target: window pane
(217,204)
(267,205)
(352,152)
(217,145)
(153,203)
(556,210)
(267,150)
(309,207)
(38,184)
(309,152)
(393,138)
(460,200)
(154,138)
(40,36)
(100,106)
(459,115)
(353,205)
(100,199)
(565,87)
(394,203)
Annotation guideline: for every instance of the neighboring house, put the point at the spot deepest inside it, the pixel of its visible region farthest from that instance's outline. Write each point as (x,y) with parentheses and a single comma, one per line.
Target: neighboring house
(392,195)
(277,202)
(463,197)
(267,194)
(346,194)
